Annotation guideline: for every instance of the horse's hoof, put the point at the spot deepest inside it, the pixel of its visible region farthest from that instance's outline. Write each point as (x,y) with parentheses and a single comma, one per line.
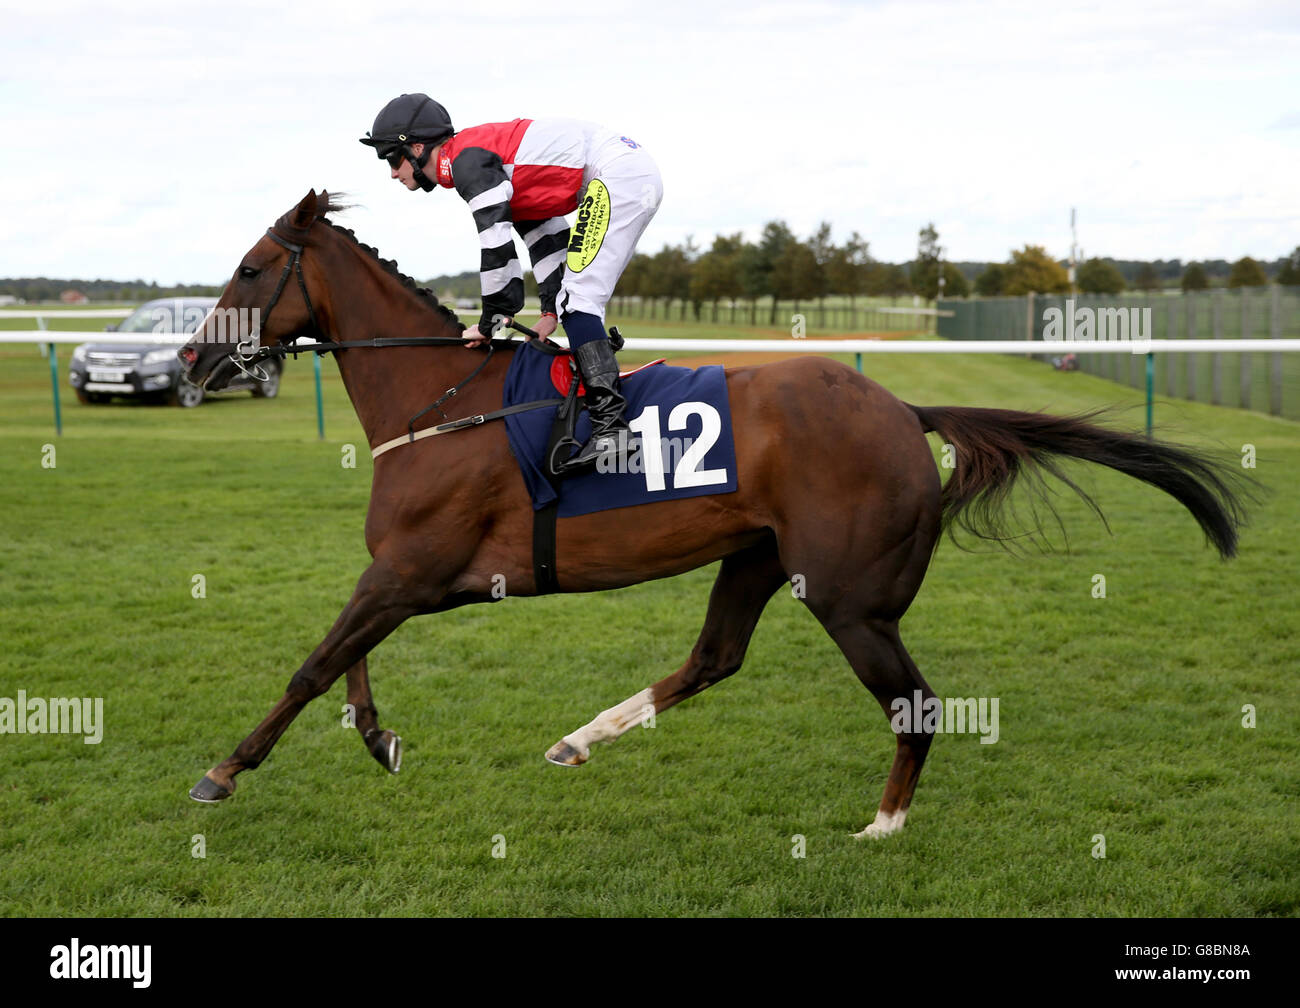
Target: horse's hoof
(563,754)
(209,791)
(387,749)
(886,824)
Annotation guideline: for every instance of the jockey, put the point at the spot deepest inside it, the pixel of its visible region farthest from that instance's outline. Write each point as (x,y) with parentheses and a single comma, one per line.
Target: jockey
(529,173)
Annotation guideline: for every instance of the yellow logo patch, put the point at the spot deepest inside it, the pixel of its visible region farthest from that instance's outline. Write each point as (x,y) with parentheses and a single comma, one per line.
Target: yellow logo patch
(590,227)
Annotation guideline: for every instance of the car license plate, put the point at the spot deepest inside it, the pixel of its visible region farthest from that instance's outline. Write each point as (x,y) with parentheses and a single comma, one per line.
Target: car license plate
(115,377)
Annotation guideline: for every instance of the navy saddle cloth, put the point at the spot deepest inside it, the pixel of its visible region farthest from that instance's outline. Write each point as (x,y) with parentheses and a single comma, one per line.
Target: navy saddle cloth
(681,444)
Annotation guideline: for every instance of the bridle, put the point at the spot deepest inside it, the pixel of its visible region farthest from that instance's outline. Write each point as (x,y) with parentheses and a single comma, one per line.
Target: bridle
(246,359)
(257,353)
(248,354)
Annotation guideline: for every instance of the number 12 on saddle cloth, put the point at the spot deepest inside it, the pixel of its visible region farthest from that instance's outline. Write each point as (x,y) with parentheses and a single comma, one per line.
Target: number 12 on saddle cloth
(681,444)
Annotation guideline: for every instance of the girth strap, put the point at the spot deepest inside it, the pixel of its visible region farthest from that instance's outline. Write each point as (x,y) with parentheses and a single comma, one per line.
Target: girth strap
(545,576)
(461,424)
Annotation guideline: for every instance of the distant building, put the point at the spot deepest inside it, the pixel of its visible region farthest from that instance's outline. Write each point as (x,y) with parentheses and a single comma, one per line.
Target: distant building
(6,300)
(71,297)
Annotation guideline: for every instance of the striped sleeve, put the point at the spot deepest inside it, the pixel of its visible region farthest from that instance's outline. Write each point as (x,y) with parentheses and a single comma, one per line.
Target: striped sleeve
(548,244)
(482,182)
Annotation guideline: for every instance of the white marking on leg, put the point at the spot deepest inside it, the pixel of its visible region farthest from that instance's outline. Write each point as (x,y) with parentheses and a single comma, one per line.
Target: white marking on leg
(610,724)
(885,823)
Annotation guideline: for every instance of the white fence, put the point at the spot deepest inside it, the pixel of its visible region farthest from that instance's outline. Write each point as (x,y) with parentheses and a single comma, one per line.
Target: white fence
(804,346)
(70,313)
(1144,348)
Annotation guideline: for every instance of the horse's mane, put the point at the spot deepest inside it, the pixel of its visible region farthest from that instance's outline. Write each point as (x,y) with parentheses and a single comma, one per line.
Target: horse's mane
(334,203)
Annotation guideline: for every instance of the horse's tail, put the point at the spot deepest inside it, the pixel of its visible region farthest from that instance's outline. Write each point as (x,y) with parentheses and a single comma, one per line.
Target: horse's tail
(994,446)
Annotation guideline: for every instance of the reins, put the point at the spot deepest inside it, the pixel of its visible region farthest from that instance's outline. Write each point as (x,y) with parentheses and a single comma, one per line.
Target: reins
(243,360)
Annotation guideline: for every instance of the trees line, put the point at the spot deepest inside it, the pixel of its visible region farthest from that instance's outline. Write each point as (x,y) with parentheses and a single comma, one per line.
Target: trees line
(782,267)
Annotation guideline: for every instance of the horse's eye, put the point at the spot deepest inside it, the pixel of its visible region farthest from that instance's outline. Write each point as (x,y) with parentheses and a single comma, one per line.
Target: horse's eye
(248,272)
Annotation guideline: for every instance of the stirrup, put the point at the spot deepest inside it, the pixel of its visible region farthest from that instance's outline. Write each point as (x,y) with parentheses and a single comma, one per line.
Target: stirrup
(575,464)
(560,453)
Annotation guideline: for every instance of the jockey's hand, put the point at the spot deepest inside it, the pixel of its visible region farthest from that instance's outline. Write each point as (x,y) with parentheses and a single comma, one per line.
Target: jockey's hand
(475,336)
(546,325)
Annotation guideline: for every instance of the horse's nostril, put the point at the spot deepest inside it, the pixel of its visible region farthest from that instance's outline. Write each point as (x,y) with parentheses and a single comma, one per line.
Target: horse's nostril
(187,355)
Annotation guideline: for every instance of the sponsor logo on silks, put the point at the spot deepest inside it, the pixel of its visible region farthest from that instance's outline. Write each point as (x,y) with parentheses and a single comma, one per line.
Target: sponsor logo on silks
(590,227)
(630,142)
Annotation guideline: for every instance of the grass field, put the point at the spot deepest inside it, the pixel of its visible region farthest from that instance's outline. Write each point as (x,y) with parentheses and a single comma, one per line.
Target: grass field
(1119,716)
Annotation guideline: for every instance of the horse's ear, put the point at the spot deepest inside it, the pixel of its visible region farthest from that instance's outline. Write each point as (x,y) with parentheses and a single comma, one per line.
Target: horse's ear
(305,212)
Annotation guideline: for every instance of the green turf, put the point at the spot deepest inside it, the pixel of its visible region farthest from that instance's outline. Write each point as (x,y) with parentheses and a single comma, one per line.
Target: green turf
(1118,716)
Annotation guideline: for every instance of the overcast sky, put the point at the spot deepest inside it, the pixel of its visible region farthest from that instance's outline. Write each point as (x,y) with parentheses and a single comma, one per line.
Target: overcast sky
(158,140)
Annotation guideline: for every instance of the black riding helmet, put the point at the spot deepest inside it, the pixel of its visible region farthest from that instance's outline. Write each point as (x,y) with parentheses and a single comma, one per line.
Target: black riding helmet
(408,119)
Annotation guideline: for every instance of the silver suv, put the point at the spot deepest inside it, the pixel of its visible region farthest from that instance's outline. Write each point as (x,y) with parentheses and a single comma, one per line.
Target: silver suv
(100,371)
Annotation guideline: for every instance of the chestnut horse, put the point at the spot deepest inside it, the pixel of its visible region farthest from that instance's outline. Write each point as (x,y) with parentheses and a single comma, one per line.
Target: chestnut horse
(837,490)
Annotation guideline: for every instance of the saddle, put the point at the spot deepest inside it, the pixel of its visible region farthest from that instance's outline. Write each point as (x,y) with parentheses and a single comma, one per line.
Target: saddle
(559,445)
(567,382)
(682,444)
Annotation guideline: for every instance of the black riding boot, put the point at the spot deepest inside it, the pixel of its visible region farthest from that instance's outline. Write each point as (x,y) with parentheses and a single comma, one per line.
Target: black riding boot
(609,433)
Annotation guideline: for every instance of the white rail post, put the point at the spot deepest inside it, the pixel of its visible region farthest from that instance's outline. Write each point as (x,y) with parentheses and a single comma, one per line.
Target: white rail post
(54,379)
